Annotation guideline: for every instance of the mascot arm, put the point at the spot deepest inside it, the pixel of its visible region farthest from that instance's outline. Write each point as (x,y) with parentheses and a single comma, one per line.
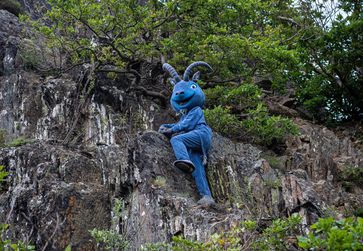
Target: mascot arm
(167,125)
(189,122)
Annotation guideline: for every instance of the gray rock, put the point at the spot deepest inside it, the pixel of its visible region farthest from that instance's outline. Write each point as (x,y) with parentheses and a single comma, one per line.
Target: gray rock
(90,147)
(9,41)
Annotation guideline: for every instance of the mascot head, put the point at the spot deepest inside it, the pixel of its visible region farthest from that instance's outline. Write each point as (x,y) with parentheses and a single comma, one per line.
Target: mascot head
(186,93)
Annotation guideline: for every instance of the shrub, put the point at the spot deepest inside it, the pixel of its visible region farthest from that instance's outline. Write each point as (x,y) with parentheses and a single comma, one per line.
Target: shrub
(259,127)
(240,98)
(29,55)
(329,234)
(278,235)
(243,97)
(6,244)
(282,234)
(273,237)
(111,239)
(265,129)
(12,6)
(241,113)
(351,176)
(221,120)
(214,95)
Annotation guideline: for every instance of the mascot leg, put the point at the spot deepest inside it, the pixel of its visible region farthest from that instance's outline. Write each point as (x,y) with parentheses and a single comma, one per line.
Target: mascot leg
(181,144)
(188,149)
(199,173)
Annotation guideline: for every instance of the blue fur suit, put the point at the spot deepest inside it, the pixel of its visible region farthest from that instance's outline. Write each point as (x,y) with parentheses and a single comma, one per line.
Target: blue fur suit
(193,144)
(191,136)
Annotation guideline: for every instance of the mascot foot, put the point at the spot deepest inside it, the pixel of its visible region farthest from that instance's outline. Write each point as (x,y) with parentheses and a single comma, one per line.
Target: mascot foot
(206,200)
(184,165)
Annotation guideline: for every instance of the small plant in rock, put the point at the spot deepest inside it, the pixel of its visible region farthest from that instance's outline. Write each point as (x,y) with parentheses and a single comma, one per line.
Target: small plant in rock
(30,55)
(109,239)
(9,245)
(273,183)
(351,176)
(274,161)
(159,181)
(112,239)
(2,137)
(22,140)
(3,174)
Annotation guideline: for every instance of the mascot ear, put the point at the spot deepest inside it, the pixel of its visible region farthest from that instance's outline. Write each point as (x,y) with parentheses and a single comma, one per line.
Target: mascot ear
(172,81)
(196,76)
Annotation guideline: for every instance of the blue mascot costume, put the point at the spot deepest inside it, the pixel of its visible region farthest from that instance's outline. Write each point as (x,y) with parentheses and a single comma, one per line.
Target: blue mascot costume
(193,136)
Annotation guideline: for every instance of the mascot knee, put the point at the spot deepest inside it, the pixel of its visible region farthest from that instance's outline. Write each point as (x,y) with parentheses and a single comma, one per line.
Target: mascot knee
(175,140)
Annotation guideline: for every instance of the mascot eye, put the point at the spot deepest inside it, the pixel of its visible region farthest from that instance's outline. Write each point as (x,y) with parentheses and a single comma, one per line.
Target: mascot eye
(193,86)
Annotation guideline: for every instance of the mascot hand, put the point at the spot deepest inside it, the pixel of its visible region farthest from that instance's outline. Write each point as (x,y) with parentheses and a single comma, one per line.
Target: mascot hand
(165,131)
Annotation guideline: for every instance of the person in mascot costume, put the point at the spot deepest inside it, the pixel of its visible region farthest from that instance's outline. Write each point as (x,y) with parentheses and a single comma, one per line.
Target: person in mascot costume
(191,136)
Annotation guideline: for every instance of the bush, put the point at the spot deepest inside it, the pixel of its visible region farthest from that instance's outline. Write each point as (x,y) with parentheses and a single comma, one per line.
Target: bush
(29,55)
(351,176)
(240,98)
(283,234)
(259,127)
(243,97)
(6,244)
(12,6)
(111,239)
(278,236)
(273,237)
(241,113)
(329,234)
(265,129)
(221,120)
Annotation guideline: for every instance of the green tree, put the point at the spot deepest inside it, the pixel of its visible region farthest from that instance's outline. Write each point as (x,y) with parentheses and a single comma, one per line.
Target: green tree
(331,49)
(241,39)
(286,42)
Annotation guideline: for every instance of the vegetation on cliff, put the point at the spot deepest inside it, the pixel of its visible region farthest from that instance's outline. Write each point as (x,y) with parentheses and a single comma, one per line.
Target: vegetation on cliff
(305,54)
(282,234)
(313,47)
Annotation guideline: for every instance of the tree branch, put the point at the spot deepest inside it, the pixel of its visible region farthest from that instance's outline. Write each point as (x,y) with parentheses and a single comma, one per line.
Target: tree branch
(117,70)
(146,92)
(289,20)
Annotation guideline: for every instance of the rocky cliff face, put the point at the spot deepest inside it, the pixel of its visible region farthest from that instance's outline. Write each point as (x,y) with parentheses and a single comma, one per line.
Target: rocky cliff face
(83,146)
